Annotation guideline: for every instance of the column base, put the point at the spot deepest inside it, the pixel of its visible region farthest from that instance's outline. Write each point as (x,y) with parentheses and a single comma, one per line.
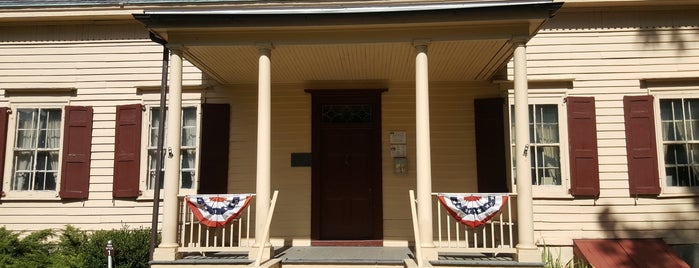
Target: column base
(165,254)
(267,252)
(528,255)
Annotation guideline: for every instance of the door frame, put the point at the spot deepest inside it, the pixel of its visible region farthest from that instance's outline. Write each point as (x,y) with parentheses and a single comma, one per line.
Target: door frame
(373,97)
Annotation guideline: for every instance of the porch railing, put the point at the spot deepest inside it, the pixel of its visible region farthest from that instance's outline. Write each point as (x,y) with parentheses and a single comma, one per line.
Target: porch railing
(197,237)
(495,237)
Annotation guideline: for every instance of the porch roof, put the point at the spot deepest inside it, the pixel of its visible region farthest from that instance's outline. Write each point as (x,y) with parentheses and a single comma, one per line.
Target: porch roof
(469,41)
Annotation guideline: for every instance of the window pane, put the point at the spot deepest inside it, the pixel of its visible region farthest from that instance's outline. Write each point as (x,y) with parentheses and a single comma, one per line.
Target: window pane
(188,167)
(546,117)
(189,127)
(512,125)
(154,124)
(675,154)
(49,128)
(548,165)
(26,128)
(692,118)
(668,111)
(532,122)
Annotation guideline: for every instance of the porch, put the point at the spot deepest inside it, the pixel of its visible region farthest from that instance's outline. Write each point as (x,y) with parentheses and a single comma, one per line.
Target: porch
(487,244)
(470,44)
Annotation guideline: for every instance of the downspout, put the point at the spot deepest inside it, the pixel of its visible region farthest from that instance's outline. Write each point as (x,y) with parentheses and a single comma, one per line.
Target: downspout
(161,143)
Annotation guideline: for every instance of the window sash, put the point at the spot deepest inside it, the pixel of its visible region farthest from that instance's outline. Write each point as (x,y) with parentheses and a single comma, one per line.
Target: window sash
(36,149)
(680,139)
(188,149)
(544,146)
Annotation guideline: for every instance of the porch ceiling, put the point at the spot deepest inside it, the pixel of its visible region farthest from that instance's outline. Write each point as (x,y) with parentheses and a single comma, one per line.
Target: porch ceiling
(449,61)
(466,43)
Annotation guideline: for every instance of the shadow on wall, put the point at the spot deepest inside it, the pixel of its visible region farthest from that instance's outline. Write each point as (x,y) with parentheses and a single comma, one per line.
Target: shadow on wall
(678,230)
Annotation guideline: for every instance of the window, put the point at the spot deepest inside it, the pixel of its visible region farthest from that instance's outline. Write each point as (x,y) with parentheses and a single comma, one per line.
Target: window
(188,151)
(680,141)
(36,149)
(544,145)
(48,151)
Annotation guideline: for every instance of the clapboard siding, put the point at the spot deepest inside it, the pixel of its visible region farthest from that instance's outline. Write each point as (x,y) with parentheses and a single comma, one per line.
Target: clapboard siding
(607,53)
(105,64)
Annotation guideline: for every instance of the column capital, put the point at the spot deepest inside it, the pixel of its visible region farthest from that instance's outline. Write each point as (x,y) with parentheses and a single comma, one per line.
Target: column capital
(519,39)
(264,47)
(176,48)
(421,44)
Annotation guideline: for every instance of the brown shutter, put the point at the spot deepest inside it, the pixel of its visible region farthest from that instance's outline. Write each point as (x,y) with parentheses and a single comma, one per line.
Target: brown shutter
(127,150)
(640,145)
(3,140)
(491,145)
(77,142)
(582,138)
(215,133)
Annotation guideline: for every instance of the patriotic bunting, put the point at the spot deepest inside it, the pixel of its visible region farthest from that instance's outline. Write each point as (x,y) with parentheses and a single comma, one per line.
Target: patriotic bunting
(217,210)
(472,210)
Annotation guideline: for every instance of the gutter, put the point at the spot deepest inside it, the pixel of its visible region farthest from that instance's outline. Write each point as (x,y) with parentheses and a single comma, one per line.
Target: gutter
(352,9)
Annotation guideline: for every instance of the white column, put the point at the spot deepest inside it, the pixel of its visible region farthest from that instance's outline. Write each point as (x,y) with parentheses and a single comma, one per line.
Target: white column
(264,132)
(422,139)
(168,246)
(526,249)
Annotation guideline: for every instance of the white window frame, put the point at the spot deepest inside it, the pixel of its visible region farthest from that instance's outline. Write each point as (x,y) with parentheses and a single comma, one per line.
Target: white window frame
(545,97)
(145,139)
(665,189)
(10,146)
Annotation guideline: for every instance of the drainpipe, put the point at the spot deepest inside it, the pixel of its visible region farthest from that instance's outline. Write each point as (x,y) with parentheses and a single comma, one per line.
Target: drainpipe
(161,143)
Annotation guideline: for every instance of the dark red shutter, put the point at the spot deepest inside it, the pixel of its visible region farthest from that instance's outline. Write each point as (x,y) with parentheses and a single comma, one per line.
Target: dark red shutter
(3,140)
(77,143)
(127,150)
(215,133)
(640,145)
(582,138)
(491,145)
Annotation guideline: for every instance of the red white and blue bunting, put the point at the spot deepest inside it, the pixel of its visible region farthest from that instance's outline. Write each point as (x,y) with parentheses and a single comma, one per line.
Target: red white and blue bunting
(473,210)
(217,210)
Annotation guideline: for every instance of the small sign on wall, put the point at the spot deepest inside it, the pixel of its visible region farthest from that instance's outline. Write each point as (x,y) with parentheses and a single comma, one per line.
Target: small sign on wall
(397,137)
(398,150)
(301,159)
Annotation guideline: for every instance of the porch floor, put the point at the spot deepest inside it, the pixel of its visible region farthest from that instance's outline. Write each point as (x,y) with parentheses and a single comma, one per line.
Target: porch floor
(362,256)
(344,255)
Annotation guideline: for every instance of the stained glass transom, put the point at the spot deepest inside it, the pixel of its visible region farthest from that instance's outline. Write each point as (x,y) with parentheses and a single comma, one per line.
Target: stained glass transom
(346,113)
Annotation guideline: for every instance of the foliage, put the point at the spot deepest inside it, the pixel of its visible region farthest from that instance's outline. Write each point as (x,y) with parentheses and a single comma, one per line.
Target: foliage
(131,247)
(551,261)
(30,251)
(74,248)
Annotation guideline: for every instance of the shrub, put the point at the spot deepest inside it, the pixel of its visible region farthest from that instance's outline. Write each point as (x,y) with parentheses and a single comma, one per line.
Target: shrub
(67,252)
(74,248)
(131,247)
(31,251)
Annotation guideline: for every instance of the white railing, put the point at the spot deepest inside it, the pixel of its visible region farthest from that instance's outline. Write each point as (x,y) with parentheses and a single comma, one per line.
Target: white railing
(197,237)
(496,236)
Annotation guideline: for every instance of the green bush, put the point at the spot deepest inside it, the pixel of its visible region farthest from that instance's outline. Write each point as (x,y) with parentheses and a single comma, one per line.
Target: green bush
(30,251)
(74,248)
(131,247)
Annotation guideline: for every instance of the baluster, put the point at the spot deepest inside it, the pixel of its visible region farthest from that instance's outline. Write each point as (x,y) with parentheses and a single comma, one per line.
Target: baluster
(439,223)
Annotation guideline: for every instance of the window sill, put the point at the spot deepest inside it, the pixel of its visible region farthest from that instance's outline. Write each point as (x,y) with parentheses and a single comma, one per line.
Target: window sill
(679,192)
(148,196)
(20,195)
(550,192)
